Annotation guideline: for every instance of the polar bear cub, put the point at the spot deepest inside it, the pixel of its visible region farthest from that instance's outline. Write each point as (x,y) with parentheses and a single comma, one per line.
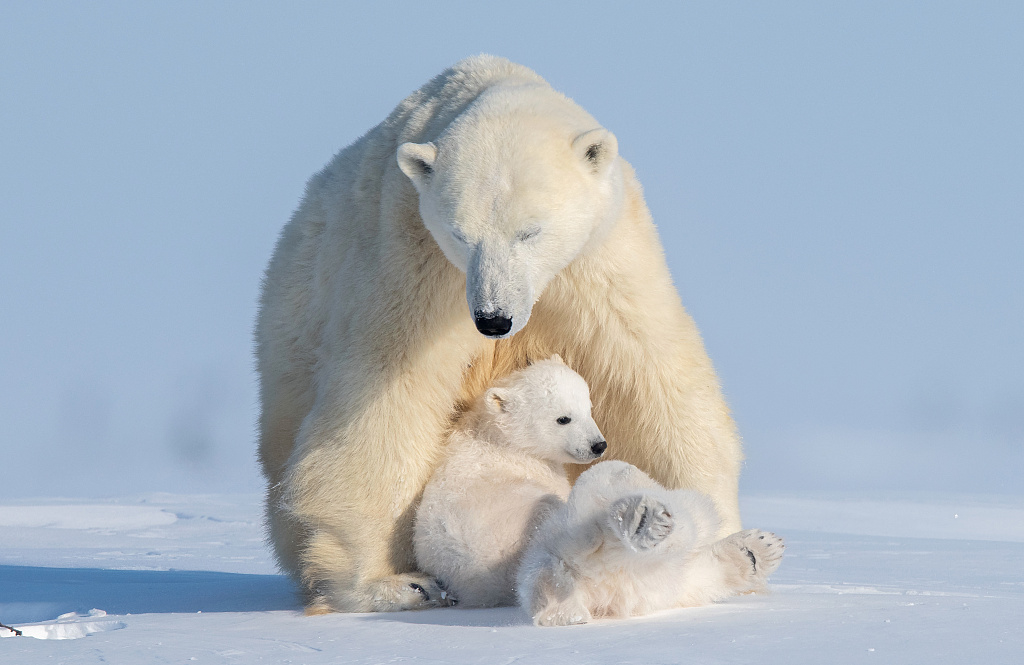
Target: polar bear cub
(503,473)
(623,545)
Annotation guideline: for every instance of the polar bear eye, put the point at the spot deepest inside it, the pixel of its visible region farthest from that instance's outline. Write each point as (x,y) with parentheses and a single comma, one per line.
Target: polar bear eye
(564,420)
(527,234)
(458,236)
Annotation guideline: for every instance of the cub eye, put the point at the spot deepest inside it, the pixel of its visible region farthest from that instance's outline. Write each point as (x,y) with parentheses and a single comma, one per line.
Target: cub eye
(564,420)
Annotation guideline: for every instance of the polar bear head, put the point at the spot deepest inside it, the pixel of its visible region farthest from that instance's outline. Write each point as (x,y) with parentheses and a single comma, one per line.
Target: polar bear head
(544,410)
(519,185)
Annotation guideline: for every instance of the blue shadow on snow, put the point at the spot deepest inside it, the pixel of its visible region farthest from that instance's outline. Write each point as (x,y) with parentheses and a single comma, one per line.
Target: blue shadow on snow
(30,593)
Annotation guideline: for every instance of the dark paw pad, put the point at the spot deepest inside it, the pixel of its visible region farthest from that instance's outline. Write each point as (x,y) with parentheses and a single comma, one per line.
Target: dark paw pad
(753,559)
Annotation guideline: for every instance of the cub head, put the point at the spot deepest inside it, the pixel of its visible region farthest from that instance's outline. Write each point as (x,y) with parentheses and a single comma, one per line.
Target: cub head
(522,183)
(545,411)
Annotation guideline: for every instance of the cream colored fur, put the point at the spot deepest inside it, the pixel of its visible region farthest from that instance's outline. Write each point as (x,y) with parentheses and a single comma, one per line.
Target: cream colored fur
(503,473)
(367,351)
(622,545)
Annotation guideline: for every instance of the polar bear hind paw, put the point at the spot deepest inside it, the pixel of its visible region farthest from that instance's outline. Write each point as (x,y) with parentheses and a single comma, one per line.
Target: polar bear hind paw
(641,522)
(762,551)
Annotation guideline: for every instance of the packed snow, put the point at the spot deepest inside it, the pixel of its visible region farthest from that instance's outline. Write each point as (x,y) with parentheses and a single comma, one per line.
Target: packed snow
(918,579)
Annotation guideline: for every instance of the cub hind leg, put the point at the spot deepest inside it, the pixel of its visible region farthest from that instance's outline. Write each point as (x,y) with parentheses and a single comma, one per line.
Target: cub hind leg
(751,556)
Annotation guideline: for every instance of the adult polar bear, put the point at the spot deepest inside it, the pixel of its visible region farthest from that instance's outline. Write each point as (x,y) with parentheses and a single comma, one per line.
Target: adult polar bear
(484,185)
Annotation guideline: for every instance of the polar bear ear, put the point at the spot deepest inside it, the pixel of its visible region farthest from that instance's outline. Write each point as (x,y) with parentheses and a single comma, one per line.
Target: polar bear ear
(496,400)
(417,161)
(557,358)
(597,148)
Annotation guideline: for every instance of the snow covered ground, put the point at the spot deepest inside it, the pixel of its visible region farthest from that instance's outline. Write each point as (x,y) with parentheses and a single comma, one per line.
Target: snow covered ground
(164,578)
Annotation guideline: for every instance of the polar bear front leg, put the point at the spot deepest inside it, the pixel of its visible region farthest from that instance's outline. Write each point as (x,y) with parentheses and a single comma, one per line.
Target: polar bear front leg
(353,484)
(357,559)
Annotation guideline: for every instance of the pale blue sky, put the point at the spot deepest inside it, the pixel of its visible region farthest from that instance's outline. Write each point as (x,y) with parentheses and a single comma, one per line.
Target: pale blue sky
(839,187)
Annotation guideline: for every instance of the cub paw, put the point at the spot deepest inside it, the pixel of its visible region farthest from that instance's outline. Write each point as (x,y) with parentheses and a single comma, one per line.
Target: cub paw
(567,613)
(759,553)
(640,521)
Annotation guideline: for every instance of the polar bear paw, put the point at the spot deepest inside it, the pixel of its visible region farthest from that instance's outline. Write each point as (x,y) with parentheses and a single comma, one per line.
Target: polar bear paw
(407,591)
(641,522)
(758,553)
(569,612)
(420,592)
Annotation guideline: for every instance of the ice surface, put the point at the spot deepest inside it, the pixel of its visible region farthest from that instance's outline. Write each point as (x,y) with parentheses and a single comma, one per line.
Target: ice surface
(865,579)
(85,516)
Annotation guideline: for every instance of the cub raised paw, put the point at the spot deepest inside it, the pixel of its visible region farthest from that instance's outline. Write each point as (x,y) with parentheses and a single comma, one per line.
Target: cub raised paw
(640,521)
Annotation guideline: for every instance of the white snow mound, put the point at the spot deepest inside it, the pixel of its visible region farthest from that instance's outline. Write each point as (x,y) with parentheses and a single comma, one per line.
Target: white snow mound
(67,627)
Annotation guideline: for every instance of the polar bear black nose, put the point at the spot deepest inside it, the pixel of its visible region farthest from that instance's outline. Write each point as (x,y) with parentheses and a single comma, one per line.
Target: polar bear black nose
(599,447)
(493,326)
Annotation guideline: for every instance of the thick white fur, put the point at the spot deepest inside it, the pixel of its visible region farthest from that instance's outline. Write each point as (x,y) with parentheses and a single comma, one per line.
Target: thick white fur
(503,473)
(622,545)
(484,186)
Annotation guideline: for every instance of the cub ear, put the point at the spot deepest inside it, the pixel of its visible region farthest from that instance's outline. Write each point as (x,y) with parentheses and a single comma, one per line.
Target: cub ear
(417,161)
(598,149)
(557,358)
(496,400)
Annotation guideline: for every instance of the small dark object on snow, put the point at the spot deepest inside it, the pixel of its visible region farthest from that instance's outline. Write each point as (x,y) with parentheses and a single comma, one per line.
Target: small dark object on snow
(17,633)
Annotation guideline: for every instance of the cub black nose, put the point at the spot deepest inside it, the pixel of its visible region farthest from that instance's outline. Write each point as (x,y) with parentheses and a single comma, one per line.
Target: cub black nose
(493,326)
(599,447)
